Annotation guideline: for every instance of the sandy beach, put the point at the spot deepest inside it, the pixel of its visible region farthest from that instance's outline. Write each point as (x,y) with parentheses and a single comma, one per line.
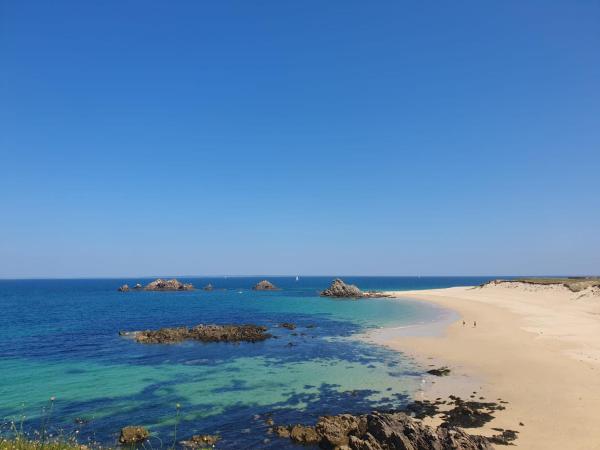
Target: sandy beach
(535,347)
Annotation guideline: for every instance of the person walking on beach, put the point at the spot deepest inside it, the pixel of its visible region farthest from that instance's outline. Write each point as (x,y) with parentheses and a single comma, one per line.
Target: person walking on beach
(464,323)
(474,324)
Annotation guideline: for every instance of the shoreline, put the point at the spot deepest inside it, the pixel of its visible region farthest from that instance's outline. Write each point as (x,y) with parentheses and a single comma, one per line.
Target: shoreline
(535,349)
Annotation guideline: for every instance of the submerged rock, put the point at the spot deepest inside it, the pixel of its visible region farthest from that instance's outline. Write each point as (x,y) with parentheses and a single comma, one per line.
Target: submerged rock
(203,333)
(385,431)
(340,289)
(133,435)
(201,440)
(208,287)
(168,285)
(124,288)
(288,325)
(265,285)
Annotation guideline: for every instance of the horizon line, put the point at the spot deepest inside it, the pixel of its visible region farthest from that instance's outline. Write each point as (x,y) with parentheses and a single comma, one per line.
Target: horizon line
(289,276)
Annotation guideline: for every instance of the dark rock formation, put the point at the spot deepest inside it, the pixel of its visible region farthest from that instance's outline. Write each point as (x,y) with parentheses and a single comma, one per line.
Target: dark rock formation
(138,286)
(168,285)
(203,333)
(304,435)
(124,288)
(265,285)
(208,287)
(133,435)
(342,290)
(440,372)
(201,441)
(288,325)
(385,431)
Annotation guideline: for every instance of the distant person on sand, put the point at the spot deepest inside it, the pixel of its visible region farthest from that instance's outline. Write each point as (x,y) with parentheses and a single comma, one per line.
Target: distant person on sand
(475,324)
(464,323)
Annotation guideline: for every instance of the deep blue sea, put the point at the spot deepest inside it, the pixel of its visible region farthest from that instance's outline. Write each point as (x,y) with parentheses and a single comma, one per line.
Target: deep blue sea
(60,339)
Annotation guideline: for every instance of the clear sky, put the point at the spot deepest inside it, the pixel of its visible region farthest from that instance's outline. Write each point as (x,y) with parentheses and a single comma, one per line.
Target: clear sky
(310,137)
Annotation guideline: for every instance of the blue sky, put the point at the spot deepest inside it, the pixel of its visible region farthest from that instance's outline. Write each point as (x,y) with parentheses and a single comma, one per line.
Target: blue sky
(284,137)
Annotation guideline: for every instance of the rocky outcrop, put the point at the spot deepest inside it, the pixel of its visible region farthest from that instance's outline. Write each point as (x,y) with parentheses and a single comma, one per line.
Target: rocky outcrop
(133,435)
(137,286)
(124,288)
(168,285)
(208,287)
(202,333)
(340,289)
(201,441)
(384,431)
(265,285)
(288,325)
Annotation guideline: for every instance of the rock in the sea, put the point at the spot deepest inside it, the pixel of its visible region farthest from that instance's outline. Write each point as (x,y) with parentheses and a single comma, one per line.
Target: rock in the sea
(168,285)
(282,431)
(304,435)
(340,289)
(201,441)
(203,333)
(387,431)
(133,435)
(265,285)
(208,287)
(124,288)
(137,286)
(288,325)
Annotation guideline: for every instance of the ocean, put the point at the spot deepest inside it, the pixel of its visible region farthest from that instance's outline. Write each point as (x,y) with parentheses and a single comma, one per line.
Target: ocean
(59,339)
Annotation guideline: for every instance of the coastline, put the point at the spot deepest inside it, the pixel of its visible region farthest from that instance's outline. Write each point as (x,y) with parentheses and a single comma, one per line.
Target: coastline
(535,349)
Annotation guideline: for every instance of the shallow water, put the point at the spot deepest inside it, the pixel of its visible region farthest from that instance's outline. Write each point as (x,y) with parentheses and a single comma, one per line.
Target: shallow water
(59,338)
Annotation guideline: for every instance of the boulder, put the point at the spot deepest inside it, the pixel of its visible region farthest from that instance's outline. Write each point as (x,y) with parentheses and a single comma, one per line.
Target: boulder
(137,286)
(288,325)
(133,435)
(265,285)
(124,288)
(342,290)
(168,285)
(203,333)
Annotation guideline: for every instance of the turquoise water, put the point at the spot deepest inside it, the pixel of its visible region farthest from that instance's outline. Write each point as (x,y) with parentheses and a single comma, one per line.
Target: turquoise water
(60,339)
